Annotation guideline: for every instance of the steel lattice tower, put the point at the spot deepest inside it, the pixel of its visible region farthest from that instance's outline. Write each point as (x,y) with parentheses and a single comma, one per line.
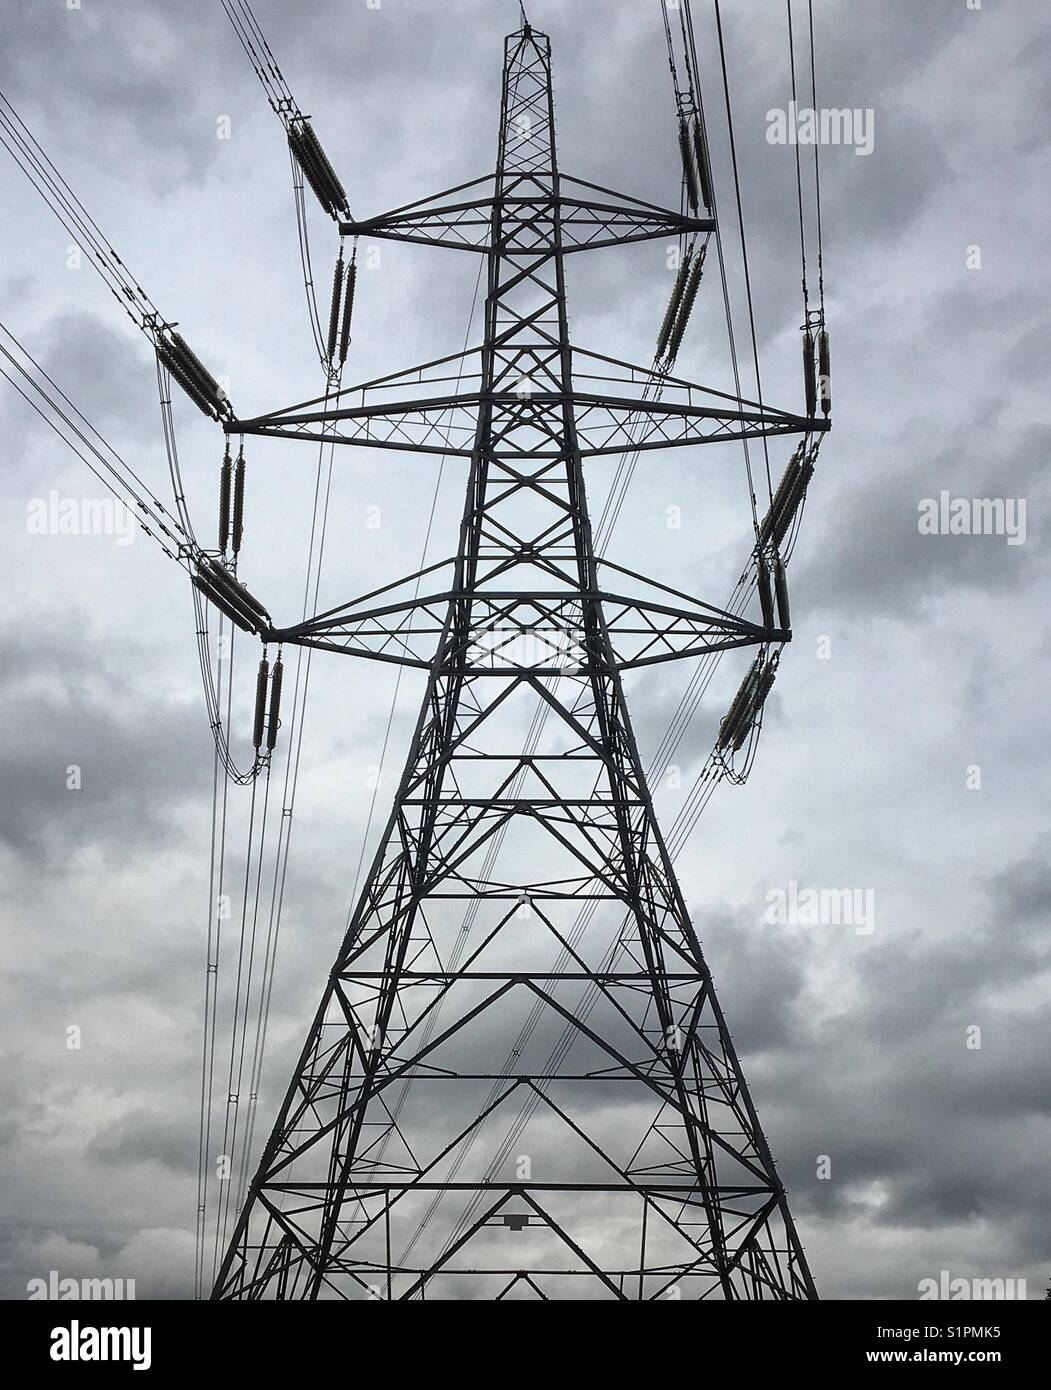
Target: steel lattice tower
(399,1165)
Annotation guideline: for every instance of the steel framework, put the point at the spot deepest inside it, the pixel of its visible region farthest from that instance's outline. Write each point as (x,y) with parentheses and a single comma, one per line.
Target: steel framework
(615,1150)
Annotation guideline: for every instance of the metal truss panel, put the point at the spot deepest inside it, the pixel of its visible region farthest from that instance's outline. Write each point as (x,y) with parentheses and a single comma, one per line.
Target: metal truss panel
(519,1082)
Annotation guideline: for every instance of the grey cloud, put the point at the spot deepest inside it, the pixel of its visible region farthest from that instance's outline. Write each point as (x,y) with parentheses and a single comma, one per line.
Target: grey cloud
(132,779)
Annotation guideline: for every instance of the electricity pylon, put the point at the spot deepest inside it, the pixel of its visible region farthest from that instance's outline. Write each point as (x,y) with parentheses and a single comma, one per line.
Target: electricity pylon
(519,1082)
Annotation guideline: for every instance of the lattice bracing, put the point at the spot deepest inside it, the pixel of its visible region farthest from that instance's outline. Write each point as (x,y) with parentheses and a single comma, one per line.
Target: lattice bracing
(519,1082)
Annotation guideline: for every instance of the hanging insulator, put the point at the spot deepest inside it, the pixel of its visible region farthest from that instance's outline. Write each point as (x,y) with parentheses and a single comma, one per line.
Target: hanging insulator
(260,703)
(314,151)
(299,154)
(689,172)
(741,702)
(195,367)
(193,376)
(225,478)
(766,593)
(274,717)
(311,158)
(758,700)
(792,501)
(215,595)
(753,705)
(702,165)
(824,372)
(234,592)
(778,500)
(239,501)
(175,365)
(333,313)
(688,300)
(673,305)
(764,688)
(784,613)
(809,373)
(348,311)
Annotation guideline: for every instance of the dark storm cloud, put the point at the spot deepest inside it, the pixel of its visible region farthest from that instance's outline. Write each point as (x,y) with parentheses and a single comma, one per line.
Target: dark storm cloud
(155,1137)
(874,558)
(91,359)
(94,365)
(116,88)
(943,1130)
(132,782)
(766,978)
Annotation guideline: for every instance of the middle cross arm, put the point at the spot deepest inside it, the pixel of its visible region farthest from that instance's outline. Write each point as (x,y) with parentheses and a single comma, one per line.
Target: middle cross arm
(590,216)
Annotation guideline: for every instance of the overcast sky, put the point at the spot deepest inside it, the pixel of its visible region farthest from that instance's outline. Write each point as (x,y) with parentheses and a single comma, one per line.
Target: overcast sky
(916,658)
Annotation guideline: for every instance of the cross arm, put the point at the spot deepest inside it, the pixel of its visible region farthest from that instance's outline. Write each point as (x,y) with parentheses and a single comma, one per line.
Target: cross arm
(606,423)
(590,217)
(514,632)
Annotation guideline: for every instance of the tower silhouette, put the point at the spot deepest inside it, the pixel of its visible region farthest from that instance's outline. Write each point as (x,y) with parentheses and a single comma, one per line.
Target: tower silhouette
(519,1082)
